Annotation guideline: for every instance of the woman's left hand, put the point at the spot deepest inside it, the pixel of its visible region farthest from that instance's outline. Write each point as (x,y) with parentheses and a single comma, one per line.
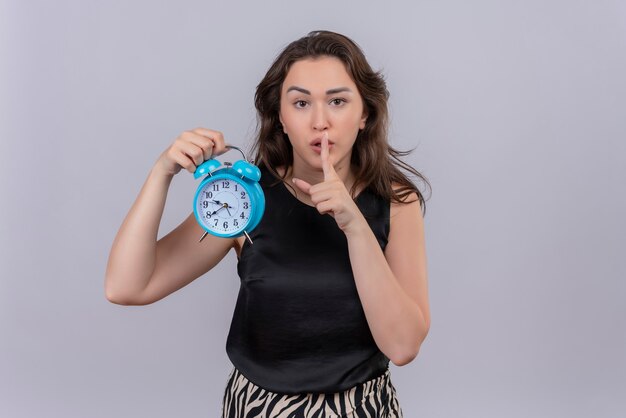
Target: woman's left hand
(331,195)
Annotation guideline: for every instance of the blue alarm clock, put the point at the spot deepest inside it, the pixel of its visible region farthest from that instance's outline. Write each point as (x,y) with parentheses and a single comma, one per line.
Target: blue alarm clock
(229,202)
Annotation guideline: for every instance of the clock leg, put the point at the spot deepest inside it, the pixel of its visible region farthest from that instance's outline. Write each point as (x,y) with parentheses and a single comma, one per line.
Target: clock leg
(204,235)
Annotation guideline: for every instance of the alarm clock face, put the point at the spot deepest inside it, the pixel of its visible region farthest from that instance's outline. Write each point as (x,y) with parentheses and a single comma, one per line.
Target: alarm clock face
(222,206)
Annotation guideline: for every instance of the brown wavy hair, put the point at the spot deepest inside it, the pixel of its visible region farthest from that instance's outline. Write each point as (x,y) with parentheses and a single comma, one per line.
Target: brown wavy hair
(377,164)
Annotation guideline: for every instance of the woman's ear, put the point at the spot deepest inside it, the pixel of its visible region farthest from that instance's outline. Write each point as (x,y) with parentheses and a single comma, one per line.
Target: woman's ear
(280,118)
(363,120)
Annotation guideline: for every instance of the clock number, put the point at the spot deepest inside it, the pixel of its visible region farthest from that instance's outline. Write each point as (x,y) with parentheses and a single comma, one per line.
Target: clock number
(242,216)
(208,195)
(245,205)
(243,195)
(236,187)
(225,225)
(205,204)
(216,187)
(235,222)
(226,184)
(216,221)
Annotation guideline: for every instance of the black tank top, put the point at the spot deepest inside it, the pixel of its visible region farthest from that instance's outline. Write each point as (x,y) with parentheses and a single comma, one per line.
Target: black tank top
(298,325)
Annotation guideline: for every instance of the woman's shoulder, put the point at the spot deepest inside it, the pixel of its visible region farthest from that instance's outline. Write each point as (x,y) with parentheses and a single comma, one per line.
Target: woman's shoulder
(406,222)
(409,202)
(386,197)
(406,198)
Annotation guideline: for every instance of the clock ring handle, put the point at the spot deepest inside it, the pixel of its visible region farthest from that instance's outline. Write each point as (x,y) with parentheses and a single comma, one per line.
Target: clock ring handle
(212,164)
(238,149)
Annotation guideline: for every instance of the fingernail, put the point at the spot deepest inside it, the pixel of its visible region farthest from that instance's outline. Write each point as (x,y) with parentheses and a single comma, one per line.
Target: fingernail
(293,179)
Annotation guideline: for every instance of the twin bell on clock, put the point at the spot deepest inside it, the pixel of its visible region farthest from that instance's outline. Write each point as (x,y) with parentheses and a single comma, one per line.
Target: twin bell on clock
(229,202)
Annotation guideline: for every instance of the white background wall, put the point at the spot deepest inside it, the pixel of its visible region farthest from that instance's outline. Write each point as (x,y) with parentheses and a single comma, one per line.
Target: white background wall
(517,112)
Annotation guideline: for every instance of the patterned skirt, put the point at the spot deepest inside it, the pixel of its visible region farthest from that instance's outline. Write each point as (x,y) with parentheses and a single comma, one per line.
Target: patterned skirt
(375,398)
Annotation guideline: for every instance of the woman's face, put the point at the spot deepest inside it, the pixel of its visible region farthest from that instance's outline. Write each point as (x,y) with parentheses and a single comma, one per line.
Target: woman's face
(319,96)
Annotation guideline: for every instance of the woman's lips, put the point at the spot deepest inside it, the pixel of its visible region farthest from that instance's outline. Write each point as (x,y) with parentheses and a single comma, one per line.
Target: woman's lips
(318,148)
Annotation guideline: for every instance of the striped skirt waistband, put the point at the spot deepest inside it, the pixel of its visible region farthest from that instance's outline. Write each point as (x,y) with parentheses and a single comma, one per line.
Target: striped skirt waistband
(374,398)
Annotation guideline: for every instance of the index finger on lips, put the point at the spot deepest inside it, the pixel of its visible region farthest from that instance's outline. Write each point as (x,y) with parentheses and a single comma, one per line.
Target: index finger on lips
(327,165)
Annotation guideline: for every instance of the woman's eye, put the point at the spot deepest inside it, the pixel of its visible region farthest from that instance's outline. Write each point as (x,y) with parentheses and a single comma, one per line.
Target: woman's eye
(300,103)
(337,101)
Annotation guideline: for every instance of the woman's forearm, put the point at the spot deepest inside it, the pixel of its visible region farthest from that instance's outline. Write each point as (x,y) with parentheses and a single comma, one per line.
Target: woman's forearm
(395,320)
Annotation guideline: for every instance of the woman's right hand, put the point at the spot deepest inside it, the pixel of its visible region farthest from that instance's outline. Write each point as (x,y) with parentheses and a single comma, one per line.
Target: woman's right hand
(190,149)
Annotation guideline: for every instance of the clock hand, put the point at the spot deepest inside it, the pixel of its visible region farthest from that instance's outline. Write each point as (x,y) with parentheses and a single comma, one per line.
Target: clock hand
(215,211)
(226,206)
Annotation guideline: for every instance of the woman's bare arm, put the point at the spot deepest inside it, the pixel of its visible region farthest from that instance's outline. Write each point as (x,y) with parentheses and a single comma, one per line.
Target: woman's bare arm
(141,270)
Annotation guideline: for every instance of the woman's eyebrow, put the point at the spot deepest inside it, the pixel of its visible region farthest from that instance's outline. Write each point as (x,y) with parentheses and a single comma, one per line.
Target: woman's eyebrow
(338,90)
(331,91)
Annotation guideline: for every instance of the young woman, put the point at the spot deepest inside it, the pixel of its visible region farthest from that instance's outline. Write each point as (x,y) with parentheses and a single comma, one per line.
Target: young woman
(334,285)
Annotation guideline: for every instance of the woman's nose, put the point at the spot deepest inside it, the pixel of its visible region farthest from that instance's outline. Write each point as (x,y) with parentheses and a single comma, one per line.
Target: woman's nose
(320,119)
